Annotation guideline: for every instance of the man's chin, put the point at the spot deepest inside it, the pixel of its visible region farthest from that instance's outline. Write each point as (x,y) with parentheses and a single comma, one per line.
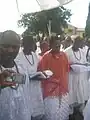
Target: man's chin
(56,51)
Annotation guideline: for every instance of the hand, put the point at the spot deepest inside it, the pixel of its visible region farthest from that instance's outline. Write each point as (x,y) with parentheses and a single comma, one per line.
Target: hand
(3,77)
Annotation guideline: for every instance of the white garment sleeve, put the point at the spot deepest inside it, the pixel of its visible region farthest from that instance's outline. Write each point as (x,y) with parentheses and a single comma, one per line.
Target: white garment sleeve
(20,64)
(79,68)
(36,57)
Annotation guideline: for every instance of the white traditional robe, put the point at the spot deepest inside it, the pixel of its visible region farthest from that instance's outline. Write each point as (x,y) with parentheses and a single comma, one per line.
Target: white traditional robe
(35,91)
(78,82)
(57,108)
(84,50)
(86,112)
(87,108)
(13,104)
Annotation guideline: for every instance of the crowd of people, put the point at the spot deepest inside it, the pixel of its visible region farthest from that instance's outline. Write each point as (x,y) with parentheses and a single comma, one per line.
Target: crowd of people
(63,96)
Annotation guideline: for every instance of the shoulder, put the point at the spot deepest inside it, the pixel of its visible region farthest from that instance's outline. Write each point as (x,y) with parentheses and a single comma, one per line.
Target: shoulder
(68,49)
(64,55)
(19,56)
(46,56)
(36,57)
(86,47)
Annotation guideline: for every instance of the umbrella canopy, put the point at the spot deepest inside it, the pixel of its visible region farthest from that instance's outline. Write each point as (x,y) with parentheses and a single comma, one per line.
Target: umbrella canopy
(39,5)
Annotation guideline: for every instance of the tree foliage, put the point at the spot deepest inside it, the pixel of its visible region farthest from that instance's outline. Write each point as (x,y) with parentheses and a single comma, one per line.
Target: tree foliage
(35,22)
(87,29)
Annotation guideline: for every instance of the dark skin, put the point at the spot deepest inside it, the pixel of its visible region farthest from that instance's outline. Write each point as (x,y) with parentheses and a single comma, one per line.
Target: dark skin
(28,47)
(77,44)
(8,54)
(7,62)
(55,46)
(44,47)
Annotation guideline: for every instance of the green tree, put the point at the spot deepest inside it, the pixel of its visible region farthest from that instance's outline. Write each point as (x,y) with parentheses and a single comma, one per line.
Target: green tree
(35,22)
(87,28)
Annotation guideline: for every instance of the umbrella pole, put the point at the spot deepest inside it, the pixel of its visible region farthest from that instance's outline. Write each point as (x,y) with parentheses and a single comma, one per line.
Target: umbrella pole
(49,28)
(17,6)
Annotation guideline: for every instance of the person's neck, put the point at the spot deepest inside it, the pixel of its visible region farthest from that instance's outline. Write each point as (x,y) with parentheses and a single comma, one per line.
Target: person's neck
(55,52)
(75,49)
(27,52)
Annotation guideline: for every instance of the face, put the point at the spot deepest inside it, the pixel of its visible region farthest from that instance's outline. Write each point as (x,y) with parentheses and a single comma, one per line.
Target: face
(8,53)
(56,46)
(82,44)
(78,44)
(44,47)
(29,47)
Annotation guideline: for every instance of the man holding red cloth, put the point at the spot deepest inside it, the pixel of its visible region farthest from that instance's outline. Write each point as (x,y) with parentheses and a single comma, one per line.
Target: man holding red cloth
(55,89)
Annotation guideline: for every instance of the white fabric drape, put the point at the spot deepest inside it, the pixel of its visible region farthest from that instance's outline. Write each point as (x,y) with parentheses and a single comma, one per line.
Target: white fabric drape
(57,108)
(48,4)
(39,5)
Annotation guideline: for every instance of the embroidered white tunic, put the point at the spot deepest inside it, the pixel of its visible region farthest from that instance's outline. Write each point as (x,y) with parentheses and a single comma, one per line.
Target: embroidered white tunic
(35,91)
(78,82)
(13,104)
(87,108)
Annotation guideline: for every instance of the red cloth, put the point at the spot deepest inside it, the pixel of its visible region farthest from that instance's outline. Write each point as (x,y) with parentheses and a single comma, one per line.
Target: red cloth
(58,64)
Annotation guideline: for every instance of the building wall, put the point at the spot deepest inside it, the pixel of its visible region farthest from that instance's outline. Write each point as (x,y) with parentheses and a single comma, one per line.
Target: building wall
(80,33)
(72,30)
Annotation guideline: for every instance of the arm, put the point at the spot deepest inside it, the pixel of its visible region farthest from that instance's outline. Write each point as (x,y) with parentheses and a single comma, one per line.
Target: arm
(67,63)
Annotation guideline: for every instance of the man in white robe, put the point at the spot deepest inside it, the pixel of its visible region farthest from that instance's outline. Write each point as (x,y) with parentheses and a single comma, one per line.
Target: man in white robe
(13,104)
(87,108)
(28,61)
(78,82)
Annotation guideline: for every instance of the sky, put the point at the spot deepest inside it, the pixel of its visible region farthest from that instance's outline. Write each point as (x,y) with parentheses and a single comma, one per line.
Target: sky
(9,14)
(79,10)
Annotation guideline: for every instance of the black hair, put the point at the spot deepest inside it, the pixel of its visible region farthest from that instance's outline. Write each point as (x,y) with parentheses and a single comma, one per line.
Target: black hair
(78,38)
(53,39)
(28,40)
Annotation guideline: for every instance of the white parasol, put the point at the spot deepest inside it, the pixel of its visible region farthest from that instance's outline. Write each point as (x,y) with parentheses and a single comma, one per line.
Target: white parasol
(29,6)
(38,5)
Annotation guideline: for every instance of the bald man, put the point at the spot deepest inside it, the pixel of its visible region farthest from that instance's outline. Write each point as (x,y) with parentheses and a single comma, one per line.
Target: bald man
(13,103)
